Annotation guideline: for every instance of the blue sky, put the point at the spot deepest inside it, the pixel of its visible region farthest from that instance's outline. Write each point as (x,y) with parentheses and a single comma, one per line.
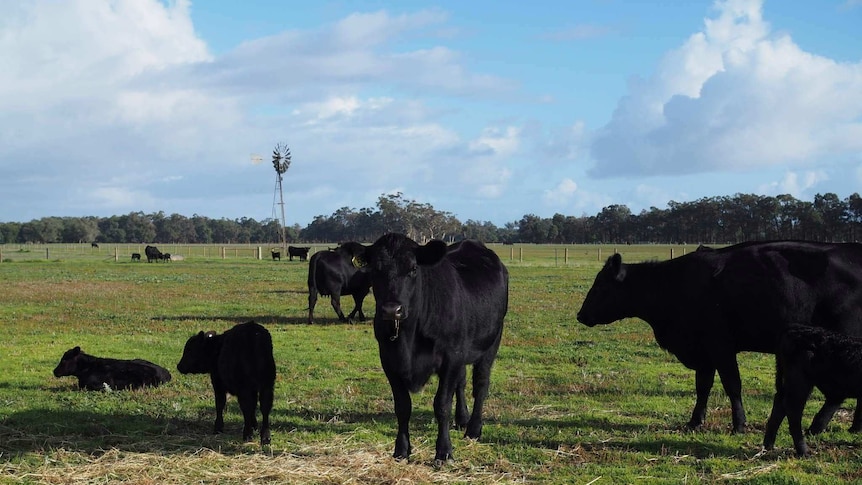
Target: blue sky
(488,110)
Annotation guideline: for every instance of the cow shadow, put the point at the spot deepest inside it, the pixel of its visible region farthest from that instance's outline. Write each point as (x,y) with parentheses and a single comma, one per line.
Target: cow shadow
(36,430)
(673,441)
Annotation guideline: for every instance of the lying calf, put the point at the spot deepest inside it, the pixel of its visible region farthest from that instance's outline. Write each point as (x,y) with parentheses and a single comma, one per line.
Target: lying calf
(97,373)
(239,362)
(808,357)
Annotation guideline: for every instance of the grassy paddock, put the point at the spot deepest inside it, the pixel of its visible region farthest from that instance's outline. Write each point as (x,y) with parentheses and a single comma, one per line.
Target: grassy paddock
(568,404)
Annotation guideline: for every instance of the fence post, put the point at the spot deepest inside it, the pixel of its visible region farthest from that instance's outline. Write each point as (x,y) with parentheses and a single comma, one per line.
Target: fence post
(556,263)
(521,254)
(116,254)
(671,253)
(566,256)
(511,254)
(46,254)
(222,252)
(600,254)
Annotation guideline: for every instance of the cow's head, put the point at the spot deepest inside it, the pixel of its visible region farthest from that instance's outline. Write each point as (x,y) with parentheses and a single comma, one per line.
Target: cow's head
(607,299)
(68,363)
(395,263)
(199,354)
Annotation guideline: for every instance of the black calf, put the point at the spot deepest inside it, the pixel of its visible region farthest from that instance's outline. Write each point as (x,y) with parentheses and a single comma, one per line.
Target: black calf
(808,357)
(239,362)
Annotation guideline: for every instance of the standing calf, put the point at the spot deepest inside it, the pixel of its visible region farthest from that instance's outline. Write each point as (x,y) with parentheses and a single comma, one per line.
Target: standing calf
(239,362)
(808,357)
(97,373)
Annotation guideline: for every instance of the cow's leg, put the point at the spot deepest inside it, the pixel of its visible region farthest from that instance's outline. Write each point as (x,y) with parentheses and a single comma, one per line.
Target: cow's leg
(776,416)
(220,402)
(795,396)
(357,308)
(462,414)
(822,418)
(335,299)
(248,405)
(403,409)
(266,398)
(857,418)
(732,383)
(703,380)
(449,381)
(312,300)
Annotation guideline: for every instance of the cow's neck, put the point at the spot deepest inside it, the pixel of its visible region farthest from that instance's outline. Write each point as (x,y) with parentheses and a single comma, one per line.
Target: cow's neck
(654,289)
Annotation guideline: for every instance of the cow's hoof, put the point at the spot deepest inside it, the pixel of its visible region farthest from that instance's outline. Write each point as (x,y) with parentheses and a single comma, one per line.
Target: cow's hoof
(441,462)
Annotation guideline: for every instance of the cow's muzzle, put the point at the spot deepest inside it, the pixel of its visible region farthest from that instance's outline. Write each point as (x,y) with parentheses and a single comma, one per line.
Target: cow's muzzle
(393,311)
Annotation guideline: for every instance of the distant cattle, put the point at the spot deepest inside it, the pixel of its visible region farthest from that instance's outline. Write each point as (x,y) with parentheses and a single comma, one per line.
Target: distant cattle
(94,245)
(709,305)
(239,362)
(809,357)
(152,253)
(276,255)
(98,373)
(136,256)
(300,252)
(335,273)
(438,309)
(165,257)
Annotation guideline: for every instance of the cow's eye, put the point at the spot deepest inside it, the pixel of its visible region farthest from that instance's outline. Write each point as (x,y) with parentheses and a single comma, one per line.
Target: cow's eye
(412,272)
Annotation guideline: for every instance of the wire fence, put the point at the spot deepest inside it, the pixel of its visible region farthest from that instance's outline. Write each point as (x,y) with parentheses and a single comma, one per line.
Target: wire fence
(539,254)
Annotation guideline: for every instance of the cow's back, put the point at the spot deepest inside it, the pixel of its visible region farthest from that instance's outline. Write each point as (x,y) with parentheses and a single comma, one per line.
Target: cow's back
(465,298)
(760,288)
(245,359)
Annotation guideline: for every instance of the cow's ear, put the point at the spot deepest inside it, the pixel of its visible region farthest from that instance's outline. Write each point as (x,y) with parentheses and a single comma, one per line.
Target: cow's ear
(616,264)
(431,253)
(76,350)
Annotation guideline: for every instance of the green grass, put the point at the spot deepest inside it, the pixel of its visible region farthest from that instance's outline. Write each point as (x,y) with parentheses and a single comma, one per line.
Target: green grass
(568,404)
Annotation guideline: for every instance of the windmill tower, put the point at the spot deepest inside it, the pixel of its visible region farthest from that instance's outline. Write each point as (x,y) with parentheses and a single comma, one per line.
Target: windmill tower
(281,162)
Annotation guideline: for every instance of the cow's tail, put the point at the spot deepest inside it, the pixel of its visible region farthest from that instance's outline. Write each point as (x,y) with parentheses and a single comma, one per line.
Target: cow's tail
(312,282)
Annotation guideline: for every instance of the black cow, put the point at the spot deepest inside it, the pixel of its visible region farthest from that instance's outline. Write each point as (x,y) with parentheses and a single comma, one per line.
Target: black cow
(709,305)
(438,309)
(808,357)
(152,253)
(98,373)
(136,256)
(165,257)
(275,254)
(335,273)
(94,245)
(239,362)
(300,252)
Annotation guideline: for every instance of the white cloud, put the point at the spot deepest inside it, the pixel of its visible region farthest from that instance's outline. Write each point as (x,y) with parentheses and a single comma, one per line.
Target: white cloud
(795,184)
(733,97)
(561,194)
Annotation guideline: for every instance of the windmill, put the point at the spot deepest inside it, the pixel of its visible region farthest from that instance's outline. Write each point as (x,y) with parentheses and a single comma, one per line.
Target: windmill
(281,162)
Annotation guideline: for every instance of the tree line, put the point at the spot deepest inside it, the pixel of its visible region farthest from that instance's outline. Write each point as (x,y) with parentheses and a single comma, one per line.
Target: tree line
(724,220)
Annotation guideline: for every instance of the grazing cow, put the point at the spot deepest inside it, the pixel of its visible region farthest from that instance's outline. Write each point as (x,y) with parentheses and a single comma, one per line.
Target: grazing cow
(335,273)
(94,245)
(98,373)
(152,253)
(165,257)
(275,254)
(808,357)
(136,256)
(438,309)
(709,305)
(239,362)
(300,252)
